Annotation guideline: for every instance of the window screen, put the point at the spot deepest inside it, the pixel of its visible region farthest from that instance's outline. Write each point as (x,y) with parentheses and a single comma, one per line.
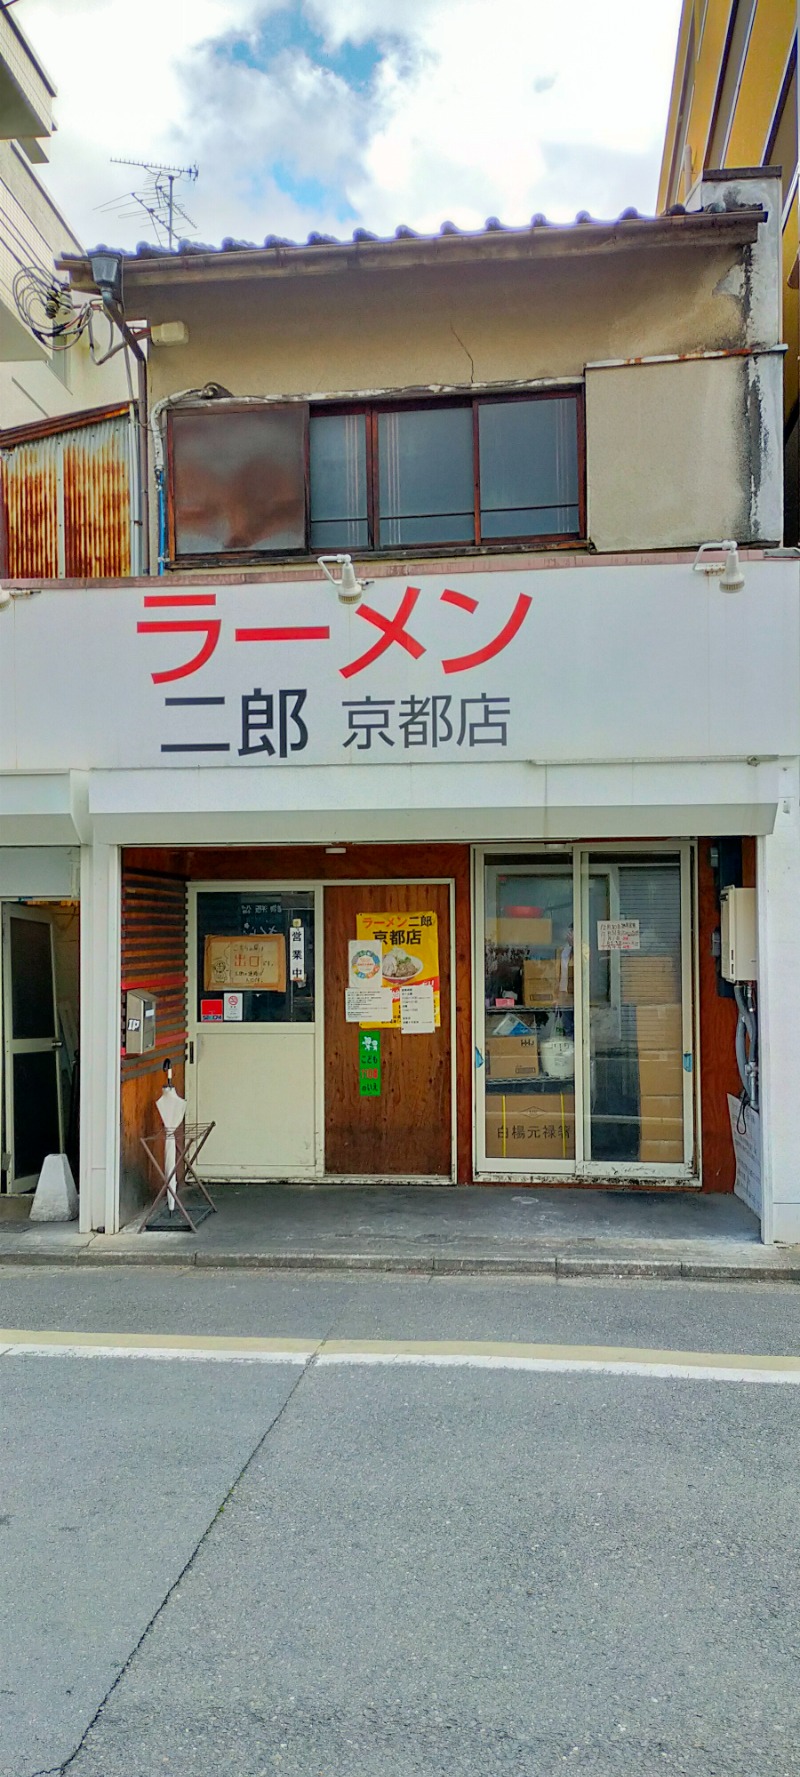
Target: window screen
(238,479)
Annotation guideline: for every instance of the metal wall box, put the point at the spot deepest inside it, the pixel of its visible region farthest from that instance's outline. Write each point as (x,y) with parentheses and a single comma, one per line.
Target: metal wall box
(739,959)
(140,1023)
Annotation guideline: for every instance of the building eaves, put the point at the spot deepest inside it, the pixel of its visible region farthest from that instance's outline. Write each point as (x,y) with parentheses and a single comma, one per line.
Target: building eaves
(194,261)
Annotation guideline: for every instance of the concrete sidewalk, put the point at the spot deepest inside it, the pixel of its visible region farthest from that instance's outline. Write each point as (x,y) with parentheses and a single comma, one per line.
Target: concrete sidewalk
(420,1229)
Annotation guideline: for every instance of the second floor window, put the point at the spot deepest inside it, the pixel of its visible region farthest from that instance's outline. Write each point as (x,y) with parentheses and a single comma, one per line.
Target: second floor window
(247,480)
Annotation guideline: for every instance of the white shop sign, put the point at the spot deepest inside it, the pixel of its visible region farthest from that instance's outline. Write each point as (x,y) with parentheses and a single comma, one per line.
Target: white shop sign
(594,663)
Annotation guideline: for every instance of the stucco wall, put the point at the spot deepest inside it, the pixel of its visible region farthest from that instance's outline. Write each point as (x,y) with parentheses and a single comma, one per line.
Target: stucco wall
(547,318)
(680,453)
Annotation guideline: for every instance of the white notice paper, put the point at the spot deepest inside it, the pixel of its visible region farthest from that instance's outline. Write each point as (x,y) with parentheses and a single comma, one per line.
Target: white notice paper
(368,1005)
(297,952)
(618,934)
(746,1133)
(232,1007)
(416,1009)
(364,963)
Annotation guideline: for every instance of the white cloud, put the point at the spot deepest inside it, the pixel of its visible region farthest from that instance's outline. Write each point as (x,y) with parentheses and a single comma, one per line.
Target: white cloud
(477,107)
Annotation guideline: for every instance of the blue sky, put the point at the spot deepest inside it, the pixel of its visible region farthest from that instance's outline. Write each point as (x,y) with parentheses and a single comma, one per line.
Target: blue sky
(333,114)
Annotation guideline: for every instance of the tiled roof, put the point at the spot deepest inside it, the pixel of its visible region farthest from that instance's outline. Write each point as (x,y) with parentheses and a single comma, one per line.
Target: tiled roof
(492,226)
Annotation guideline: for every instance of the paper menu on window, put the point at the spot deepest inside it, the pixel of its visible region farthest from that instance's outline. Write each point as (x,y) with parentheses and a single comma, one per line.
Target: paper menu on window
(417,1016)
(618,934)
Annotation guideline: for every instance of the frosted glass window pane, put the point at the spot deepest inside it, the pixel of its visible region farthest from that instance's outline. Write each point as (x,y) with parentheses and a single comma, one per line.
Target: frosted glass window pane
(528,468)
(426,476)
(338,481)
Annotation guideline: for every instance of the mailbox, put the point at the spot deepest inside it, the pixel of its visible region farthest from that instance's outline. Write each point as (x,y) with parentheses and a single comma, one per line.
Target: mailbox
(140,1023)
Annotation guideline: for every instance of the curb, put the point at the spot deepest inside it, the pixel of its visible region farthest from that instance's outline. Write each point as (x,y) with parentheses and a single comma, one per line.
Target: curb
(543,1265)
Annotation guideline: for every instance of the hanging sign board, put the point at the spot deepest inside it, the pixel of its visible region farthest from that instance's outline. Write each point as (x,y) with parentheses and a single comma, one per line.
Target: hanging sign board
(409,954)
(369,1063)
(416,1009)
(297,951)
(233,1007)
(256,963)
(618,934)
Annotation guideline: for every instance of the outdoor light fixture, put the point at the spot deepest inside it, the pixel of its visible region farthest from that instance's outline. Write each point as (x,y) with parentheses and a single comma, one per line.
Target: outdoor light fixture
(107,275)
(731,578)
(348,586)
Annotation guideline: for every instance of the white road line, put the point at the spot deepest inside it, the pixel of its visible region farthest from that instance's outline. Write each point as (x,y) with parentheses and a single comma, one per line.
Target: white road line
(567,1366)
(681,1366)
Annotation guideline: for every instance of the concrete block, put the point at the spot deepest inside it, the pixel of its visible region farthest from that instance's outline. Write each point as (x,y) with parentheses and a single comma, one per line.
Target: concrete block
(56,1199)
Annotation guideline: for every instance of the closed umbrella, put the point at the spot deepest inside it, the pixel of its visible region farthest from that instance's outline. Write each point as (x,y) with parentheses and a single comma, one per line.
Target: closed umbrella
(172,1110)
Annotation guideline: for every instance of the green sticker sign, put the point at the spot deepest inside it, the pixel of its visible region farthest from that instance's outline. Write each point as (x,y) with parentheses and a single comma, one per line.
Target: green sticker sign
(369,1063)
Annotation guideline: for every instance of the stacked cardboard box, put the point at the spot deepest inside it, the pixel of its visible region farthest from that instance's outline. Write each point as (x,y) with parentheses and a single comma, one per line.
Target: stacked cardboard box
(541,981)
(648,980)
(659,1039)
(532,1126)
(512,1058)
(519,932)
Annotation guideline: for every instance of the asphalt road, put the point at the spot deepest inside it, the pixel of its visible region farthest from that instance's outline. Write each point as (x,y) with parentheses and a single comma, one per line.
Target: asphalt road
(328,1569)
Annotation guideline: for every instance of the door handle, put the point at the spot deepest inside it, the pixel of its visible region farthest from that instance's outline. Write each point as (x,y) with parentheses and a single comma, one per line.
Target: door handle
(57,1043)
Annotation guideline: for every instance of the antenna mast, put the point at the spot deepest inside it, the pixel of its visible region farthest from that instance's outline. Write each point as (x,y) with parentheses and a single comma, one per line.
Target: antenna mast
(158,197)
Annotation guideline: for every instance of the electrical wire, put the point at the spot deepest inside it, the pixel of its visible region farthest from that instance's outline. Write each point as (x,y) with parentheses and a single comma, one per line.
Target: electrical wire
(45,307)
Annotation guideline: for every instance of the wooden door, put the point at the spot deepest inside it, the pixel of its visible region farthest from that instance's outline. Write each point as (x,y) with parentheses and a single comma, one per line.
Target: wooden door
(407,1131)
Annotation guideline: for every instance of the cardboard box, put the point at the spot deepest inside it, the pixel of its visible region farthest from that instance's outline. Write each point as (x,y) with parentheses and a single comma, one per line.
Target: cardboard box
(648,980)
(537,1127)
(667,1108)
(512,1058)
(660,1075)
(659,1027)
(662,1153)
(520,931)
(541,977)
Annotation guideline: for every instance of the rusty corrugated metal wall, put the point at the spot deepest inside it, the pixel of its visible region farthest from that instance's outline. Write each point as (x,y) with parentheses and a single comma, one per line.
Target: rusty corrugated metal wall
(69,500)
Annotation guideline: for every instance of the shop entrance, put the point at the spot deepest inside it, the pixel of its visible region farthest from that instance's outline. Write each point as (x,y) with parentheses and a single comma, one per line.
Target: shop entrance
(254,1031)
(585,1042)
(275,1062)
(405,1128)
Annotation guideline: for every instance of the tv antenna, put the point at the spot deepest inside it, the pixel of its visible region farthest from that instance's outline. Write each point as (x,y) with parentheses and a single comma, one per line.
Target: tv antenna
(157,198)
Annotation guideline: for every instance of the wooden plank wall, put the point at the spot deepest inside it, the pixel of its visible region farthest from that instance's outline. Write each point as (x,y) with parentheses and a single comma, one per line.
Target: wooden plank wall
(153,959)
(360,863)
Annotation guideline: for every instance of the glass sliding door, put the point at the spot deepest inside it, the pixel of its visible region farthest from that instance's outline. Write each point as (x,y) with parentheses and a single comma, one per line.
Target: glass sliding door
(635,1054)
(529,1047)
(584,1061)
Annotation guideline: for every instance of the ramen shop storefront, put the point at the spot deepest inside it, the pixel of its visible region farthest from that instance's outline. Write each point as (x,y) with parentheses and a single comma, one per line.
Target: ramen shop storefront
(321,991)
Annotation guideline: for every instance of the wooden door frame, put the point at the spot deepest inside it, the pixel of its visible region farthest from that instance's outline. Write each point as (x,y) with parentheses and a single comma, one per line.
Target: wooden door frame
(448,882)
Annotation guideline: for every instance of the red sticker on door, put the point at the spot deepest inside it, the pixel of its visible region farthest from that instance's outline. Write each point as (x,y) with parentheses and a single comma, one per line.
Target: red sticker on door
(211,1011)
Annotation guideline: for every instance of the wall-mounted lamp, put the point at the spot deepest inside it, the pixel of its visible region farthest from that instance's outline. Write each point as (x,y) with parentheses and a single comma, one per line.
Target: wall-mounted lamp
(729,570)
(348,586)
(7,593)
(107,275)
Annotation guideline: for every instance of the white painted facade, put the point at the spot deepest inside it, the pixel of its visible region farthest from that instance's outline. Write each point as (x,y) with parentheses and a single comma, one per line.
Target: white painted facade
(643,702)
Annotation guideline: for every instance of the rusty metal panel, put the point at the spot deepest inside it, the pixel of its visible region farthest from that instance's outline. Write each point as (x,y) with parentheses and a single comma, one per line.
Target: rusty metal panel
(30,510)
(69,502)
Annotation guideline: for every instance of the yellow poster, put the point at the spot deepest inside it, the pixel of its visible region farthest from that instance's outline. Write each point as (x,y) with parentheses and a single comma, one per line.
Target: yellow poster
(410,946)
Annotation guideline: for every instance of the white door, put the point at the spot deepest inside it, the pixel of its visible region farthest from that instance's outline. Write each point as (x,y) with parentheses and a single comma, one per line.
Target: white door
(254,1065)
(32,1067)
